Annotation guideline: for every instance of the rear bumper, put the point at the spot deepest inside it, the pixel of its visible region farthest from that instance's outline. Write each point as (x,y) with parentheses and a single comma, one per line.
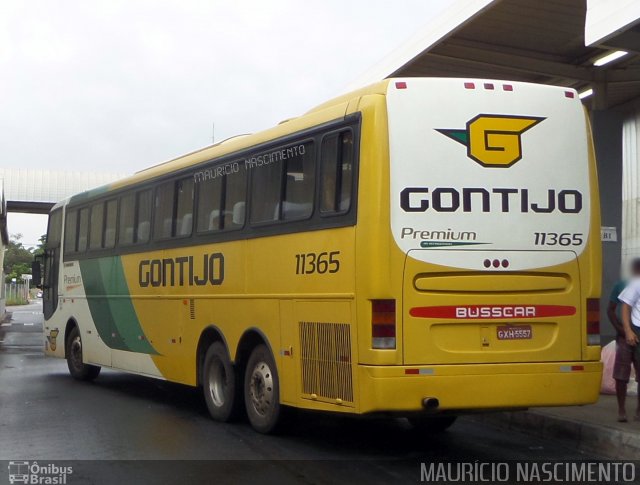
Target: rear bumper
(478,386)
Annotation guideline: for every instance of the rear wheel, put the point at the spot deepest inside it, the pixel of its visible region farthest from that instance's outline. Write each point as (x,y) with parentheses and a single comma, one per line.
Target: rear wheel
(219,383)
(432,424)
(262,391)
(77,368)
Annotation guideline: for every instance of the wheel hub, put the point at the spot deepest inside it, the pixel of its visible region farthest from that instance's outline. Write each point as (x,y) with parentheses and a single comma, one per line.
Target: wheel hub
(261,388)
(217,383)
(76,352)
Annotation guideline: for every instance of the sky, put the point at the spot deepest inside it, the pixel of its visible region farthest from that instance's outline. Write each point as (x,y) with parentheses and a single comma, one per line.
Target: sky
(117,86)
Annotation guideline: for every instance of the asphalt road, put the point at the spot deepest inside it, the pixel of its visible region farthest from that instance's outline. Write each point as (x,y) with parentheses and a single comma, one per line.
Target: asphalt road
(46,415)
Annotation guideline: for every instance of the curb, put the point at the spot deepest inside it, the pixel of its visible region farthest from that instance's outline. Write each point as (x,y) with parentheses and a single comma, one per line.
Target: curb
(586,437)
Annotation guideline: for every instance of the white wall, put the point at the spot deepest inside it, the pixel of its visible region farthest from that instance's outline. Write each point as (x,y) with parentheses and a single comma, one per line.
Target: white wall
(630,189)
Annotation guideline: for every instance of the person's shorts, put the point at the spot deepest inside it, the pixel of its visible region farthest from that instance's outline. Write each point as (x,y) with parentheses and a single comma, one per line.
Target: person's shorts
(626,355)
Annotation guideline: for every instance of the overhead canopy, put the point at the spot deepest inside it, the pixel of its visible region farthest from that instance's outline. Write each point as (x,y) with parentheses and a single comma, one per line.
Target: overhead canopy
(540,41)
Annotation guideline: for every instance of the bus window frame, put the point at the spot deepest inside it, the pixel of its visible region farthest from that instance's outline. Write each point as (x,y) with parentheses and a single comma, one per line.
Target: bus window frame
(197,234)
(247,231)
(174,210)
(283,187)
(353,175)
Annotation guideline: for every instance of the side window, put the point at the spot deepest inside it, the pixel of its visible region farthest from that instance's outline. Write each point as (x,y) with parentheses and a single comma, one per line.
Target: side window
(266,190)
(222,202)
(127,219)
(284,188)
(95,232)
(111,215)
(143,217)
(83,229)
(135,218)
(210,215)
(54,229)
(163,223)
(174,209)
(184,207)
(235,200)
(70,231)
(299,185)
(336,172)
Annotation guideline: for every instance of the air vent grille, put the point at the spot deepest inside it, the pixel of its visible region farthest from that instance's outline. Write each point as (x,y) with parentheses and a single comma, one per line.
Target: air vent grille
(325,353)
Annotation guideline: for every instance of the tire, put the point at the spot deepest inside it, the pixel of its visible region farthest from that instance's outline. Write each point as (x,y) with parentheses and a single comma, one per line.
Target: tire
(262,391)
(219,383)
(77,368)
(432,424)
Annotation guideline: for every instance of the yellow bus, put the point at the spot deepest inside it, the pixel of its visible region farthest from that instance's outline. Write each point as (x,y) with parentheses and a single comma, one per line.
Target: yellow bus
(420,248)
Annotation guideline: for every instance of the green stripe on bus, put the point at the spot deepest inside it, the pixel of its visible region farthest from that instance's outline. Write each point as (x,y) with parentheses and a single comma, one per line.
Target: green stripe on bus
(111,306)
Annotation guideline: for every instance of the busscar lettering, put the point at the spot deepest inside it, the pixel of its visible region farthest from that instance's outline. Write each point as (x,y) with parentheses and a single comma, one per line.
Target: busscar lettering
(502,199)
(182,271)
(496,312)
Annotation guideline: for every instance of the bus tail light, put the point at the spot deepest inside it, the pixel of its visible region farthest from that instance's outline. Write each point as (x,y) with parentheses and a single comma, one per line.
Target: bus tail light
(383,324)
(593,321)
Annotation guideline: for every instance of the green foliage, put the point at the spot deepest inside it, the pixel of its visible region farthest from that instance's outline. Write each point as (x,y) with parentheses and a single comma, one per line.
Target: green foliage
(17,258)
(16,300)
(42,242)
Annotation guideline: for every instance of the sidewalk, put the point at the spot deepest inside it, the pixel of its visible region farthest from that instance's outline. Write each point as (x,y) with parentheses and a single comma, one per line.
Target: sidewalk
(592,429)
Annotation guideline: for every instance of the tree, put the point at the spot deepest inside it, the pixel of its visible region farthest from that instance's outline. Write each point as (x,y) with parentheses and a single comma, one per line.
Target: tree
(17,259)
(42,242)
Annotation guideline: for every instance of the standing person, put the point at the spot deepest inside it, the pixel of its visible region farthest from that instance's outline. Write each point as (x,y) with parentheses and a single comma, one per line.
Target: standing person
(622,363)
(630,297)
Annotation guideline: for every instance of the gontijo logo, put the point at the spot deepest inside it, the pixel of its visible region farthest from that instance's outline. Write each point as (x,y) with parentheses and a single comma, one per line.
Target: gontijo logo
(493,140)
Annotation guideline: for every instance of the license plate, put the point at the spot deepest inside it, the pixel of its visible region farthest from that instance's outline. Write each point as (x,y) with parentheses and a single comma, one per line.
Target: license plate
(514,332)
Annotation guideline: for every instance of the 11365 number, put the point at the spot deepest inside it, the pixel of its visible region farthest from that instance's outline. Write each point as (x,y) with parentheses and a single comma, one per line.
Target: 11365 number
(320,263)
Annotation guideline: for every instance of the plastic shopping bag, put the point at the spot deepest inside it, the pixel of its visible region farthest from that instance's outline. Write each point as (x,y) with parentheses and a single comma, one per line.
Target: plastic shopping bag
(608,358)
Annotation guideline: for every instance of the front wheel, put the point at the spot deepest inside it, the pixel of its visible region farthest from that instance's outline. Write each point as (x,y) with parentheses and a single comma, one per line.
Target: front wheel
(262,391)
(77,368)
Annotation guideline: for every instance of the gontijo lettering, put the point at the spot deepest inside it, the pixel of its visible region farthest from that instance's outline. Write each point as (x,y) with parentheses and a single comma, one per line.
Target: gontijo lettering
(182,271)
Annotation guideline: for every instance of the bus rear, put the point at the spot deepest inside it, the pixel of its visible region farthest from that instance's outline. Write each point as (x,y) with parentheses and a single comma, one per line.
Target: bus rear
(494,210)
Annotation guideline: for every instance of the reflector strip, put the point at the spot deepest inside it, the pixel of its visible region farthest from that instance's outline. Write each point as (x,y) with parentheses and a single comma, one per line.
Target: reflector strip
(423,372)
(571,368)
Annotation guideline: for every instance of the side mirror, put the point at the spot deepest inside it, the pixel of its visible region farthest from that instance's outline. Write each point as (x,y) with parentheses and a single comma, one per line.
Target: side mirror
(36,273)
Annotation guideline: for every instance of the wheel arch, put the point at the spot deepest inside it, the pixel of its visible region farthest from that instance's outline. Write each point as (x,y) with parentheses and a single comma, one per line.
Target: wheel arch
(71,322)
(251,338)
(209,336)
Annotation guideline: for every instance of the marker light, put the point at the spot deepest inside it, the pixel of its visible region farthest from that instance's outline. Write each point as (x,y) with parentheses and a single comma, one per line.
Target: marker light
(383,324)
(610,57)
(507,87)
(593,321)
(488,86)
(401,85)
(586,93)
(569,94)
(469,85)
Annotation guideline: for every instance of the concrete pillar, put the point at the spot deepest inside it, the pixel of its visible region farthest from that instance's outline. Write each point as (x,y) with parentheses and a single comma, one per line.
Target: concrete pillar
(607,133)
